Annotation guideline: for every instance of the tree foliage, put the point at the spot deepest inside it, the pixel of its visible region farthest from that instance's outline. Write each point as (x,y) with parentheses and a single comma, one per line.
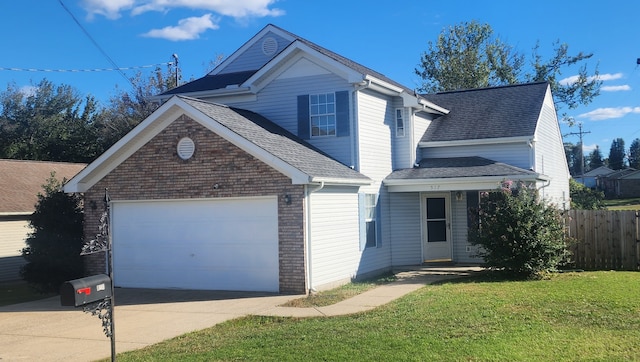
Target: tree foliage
(584,198)
(518,233)
(51,122)
(634,154)
(470,55)
(573,153)
(128,108)
(595,159)
(48,122)
(53,248)
(617,154)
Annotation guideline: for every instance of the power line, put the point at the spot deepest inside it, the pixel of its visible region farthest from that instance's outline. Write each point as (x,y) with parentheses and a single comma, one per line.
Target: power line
(13,69)
(115,66)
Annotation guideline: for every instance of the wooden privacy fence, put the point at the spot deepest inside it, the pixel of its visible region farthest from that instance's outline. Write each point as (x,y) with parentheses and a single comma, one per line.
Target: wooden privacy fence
(604,239)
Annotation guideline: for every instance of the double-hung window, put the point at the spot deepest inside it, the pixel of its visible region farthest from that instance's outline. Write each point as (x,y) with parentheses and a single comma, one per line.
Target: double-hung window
(399,123)
(370,220)
(322,112)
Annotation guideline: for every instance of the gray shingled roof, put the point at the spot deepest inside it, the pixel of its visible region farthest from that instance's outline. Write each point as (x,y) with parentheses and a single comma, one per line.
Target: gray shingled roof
(220,81)
(508,111)
(276,141)
(455,167)
(211,82)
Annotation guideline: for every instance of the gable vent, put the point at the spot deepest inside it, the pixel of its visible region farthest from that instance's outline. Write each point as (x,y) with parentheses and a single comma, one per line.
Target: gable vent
(269,46)
(186,148)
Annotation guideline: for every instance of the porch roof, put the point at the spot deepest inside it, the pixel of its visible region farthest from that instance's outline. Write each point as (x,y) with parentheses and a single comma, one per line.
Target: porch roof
(457,173)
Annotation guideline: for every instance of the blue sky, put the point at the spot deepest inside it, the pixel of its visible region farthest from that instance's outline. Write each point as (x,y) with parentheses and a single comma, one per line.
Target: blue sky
(383,35)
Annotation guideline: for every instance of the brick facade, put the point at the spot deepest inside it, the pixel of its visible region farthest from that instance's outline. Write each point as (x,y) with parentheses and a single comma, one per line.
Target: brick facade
(156,172)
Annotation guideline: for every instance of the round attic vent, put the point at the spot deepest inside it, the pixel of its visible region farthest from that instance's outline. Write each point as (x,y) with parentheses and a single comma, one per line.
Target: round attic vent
(186,148)
(269,46)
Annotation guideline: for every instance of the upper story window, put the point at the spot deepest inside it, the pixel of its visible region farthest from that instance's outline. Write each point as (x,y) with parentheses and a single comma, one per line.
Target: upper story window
(322,112)
(399,122)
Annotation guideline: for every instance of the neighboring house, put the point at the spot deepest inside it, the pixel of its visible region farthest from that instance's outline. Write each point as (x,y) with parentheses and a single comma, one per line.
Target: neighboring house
(20,184)
(590,178)
(610,183)
(290,168)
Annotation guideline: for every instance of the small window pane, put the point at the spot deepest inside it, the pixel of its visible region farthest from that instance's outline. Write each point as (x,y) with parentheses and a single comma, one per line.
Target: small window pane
(436,231)
(371,234)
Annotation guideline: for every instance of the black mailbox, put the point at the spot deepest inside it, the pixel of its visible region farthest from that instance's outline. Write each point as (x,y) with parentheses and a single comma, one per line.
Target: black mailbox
(82,291)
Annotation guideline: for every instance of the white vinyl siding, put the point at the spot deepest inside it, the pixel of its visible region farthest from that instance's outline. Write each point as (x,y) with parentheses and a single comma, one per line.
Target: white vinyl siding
(278,103)
(375,121)
(253,58)
(335,237)
(406,243)
(550,158)
(421,122)
(514,154)
(13,234)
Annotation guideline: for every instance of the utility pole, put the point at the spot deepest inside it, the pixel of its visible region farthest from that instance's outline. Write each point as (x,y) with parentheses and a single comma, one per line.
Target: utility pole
(580,133)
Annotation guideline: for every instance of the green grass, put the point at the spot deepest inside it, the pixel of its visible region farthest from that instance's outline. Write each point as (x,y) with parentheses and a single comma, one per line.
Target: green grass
(590,316)
(18,292)
(622,204)
(329,297)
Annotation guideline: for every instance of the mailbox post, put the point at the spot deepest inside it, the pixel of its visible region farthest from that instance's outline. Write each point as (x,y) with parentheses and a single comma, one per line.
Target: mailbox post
(95,294)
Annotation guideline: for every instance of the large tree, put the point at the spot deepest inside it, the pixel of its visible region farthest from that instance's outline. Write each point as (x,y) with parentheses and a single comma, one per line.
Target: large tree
(617,154)
(470,55)
(47,122)
(634,154)
(130,107)
(573,153)
(595,159)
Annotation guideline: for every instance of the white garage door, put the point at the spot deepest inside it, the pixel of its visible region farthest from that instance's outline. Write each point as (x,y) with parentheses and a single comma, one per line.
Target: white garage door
(223,244)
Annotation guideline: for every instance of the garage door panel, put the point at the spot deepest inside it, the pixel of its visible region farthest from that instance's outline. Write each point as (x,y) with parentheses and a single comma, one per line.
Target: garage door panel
(214,244)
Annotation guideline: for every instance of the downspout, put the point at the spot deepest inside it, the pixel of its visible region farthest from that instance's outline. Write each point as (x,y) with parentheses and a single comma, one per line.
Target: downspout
(307,205)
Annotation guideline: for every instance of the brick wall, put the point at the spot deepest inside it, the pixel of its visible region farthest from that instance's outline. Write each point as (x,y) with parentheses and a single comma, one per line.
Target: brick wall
(156,172)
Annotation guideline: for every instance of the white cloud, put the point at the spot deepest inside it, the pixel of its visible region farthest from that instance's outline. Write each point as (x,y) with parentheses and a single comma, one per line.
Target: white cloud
(609,113)
(232,8)
(112,9)
(615,88)
(187,29)
(28,90)
(602,77)
(588,148)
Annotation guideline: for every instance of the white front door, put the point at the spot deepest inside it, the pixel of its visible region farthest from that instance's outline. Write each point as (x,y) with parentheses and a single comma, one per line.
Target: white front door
(436,227)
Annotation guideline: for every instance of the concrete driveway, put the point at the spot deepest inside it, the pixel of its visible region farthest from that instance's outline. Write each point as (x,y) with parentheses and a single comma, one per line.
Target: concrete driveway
(45,331)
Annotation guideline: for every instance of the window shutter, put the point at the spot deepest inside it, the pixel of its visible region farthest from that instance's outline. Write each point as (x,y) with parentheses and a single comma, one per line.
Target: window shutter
(361,221)
(304,123)
(342,113)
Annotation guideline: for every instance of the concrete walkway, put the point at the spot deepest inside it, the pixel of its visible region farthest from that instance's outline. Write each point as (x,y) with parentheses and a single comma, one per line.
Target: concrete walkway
(44,331)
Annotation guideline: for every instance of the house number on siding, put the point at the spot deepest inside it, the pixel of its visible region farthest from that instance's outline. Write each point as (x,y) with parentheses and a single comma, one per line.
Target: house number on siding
(434,187)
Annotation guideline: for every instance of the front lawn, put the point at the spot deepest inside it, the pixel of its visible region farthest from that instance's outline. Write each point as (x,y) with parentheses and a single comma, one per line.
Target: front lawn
(591,316)
(622,204)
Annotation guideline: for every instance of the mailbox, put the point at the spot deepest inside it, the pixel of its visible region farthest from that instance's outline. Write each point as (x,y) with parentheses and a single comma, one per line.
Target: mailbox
(83,291)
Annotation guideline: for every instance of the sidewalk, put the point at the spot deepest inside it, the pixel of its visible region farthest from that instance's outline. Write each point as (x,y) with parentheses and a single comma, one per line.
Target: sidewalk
(407,282)
(44,331)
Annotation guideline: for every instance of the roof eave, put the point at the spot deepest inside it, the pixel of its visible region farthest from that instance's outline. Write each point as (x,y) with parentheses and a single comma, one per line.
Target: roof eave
(457,183)
(478,141)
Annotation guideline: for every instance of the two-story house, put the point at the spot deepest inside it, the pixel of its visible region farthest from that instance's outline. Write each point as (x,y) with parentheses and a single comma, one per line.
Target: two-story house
(290,168)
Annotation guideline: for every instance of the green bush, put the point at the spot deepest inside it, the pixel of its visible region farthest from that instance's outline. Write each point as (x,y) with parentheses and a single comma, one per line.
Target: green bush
(517,233)
(53,248)
(584,198)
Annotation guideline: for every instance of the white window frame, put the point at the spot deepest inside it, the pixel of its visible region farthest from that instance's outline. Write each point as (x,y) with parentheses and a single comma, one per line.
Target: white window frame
(400,123)
(322,112)
(371,216)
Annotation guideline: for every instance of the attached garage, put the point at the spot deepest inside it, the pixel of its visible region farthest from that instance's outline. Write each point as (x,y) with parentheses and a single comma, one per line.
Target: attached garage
(216,244)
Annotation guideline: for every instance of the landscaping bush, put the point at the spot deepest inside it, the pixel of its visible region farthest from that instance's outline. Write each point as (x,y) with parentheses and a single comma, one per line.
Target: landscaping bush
(584,198)
(518,233)
(53,248)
